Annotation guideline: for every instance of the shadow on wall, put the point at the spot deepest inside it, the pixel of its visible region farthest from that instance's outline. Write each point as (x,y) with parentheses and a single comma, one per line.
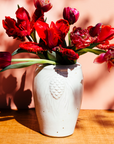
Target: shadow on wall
(21,98)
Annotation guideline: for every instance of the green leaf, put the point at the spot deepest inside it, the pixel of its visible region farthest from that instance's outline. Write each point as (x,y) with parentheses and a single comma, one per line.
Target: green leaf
(19,65)
(93,45)
(54,56)
(95,51)
(28,63)
(20,50)
(51,55)
(33,35)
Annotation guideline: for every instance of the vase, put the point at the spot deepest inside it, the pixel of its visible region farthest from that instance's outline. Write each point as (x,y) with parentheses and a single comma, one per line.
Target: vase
(57,92)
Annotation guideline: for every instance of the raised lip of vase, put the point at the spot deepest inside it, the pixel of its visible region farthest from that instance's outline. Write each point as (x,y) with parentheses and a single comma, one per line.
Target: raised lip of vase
(72,66)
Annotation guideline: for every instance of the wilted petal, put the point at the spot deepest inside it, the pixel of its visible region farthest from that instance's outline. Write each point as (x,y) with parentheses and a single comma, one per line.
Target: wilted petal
(5,59)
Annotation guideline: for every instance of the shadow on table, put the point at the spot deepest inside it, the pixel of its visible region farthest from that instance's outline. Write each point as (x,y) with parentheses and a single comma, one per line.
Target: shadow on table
(105,120)
(25,117)
(100,117)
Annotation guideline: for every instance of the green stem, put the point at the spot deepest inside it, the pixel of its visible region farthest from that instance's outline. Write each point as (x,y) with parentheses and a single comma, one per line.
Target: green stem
(40,61)
(69,40)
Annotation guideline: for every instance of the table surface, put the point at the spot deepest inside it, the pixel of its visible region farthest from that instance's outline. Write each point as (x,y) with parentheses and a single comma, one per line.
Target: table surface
(21,127)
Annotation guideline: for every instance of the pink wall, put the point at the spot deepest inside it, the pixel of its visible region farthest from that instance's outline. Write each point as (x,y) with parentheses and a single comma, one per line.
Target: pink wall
(16,85)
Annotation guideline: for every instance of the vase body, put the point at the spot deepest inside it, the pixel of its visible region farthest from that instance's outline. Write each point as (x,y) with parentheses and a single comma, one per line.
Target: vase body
(57,91)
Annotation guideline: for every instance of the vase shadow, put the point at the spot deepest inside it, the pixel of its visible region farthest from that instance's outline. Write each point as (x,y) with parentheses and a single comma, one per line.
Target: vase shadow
(8,86)
(61,69)
(25,117)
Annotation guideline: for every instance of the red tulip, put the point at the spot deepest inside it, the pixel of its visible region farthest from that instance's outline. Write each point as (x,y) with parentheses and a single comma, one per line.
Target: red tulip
(44,5)
(54,34)
(23,21)
(101,32)
(70,14)
(80,38)
(31,46)
(5,59)
(107,33)
(70,54)
(95,31)
(18,29)
(107,57)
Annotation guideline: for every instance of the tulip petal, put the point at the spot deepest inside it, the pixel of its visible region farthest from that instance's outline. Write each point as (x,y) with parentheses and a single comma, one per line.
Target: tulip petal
(5,59)
(100,58)
(42,30)
(106,33)
(62,27)
(31,46)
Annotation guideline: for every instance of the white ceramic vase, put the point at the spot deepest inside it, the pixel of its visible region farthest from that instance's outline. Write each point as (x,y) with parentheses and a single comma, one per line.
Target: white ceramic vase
(57,91)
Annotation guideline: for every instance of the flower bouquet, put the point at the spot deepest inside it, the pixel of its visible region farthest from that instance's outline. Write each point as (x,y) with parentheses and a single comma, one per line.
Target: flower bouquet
(58,81)
(52,47)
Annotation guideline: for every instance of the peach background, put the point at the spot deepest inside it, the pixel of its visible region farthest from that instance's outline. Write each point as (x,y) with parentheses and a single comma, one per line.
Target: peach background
(16,85)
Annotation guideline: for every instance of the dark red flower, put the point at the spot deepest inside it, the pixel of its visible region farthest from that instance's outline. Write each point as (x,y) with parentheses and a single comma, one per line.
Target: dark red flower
(70,14)
(44,5)
(80,38)
(18,29)
(95,31)
(9,25)
(31,46)
(23,21)
(38,14)
(62,28)
(5,59)
(107,33)
(101,32)
(70,54)
(106,45)
(107,57)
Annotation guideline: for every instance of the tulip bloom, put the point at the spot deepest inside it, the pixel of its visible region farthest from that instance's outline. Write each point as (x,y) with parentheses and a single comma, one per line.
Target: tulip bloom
(18,29)
(71,15)
(80,38)
(44,5)
(54,34)
(107,57)
(31,46)
(5,59)
(95,31)
(103,32)
(70,54)
(23,26)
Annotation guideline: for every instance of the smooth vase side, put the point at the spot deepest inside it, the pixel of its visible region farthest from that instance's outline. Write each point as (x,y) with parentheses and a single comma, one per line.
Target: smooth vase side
(57,91)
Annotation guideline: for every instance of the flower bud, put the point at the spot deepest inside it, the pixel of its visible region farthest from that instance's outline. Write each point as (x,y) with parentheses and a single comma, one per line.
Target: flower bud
(44,5)
(70,14)
(5,59)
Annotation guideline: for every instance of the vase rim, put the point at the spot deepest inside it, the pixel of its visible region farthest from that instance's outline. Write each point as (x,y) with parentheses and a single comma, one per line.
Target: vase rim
(71,66)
